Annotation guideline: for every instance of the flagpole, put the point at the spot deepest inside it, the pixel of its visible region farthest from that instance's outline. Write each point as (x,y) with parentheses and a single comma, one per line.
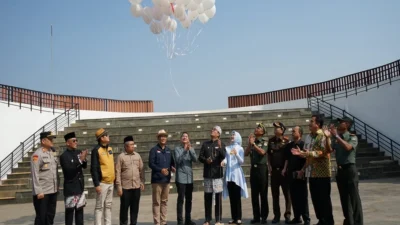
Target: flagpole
(51,49)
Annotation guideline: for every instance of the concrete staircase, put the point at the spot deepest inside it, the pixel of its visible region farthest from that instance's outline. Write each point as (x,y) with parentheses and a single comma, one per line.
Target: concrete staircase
(372,163)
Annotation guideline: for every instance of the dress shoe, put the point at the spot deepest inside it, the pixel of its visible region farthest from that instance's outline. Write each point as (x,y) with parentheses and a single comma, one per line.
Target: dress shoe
(295,221)
(189,222)
(276,220)
(254,221)
(264,221)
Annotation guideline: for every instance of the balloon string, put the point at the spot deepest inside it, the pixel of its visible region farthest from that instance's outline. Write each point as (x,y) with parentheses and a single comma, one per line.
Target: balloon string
(172,80)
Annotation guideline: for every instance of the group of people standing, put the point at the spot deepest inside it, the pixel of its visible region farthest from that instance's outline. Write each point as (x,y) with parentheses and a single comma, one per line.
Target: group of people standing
(290,163)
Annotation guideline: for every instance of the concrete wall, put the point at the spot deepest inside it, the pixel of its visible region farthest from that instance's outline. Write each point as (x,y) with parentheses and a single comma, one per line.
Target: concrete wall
(379,108)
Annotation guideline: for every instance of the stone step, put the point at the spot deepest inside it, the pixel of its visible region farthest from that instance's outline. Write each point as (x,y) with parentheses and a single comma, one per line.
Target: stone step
(16,181)
(5,187)
(191,118)
(226,125)
(7,200)
(146,137)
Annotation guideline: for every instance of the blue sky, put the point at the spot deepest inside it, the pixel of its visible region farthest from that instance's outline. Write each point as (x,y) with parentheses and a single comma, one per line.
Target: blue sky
(100,50)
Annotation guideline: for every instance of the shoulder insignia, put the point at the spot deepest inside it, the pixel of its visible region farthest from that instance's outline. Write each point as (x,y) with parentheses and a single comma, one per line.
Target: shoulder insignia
(35,158)
(320,131)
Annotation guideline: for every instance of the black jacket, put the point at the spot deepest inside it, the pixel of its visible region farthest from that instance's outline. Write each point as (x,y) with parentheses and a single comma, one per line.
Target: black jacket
(211,149)
(74,182)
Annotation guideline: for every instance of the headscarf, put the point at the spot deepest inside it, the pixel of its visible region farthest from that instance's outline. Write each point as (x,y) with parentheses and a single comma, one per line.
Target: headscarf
(237,138)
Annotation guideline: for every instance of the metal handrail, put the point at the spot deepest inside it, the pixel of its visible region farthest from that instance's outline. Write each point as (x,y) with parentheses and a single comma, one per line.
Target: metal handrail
(40,99)
(60,122)
(382,141)
(364,78)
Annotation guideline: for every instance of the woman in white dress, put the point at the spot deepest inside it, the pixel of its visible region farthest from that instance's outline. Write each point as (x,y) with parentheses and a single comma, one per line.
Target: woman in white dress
(234,179)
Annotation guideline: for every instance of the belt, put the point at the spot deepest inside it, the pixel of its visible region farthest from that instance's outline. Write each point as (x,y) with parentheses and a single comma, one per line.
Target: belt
(345,166)
(258,165)
(276,168)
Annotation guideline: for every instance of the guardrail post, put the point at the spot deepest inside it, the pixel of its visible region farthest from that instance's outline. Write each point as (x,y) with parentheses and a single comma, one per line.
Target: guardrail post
(12,159)
(40,102)
(391,147)
(68,117)
(30,97)
(56,124)
(20,100)
(8,96)
(398,67)
(53,106)
(318,106)
(365,131)
(23,149)
(377,135)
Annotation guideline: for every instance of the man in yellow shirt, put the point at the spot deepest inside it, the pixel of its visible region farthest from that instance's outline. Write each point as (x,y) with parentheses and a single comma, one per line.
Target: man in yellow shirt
(103,175)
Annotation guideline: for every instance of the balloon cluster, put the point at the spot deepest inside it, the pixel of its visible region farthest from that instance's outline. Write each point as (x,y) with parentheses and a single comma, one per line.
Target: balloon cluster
(164,14)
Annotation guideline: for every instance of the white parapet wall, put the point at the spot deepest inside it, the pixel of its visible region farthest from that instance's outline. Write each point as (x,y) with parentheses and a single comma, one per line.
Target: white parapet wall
(379,108)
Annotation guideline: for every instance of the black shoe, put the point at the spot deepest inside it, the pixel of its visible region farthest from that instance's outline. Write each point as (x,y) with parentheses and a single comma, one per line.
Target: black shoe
(263,221)
(189,222)
(287,220)
(276,220)
(179,223)
(295,221)
(306,222)
(254,221)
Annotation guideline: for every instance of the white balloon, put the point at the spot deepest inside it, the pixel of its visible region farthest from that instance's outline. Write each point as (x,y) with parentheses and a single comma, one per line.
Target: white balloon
(186,23)
(198,1)
(157,2)
(211,12)
(186,2)
(164,3)
(157,13)
(203,18)
(200,9)
(155,27)
(147,15)
(136,10)
(192,6)
(208,4)
(166,10)
(166,22)
(192,15)
(174,25)
(179,11)
(134,2)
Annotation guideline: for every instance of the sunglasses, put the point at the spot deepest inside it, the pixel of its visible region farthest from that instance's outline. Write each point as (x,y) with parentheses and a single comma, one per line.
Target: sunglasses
(74,141)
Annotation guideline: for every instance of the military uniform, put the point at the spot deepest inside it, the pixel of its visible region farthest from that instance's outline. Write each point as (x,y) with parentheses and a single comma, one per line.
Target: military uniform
(347,179)
(276,154)
(74,183)
(45,181)
(259,181)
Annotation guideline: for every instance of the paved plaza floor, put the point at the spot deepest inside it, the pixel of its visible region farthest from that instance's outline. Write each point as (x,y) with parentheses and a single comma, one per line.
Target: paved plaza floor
(380,199)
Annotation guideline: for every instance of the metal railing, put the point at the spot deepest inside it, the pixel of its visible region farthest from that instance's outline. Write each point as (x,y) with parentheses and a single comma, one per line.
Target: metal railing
(367,132)
(21,97)
(33,141)
(365,78)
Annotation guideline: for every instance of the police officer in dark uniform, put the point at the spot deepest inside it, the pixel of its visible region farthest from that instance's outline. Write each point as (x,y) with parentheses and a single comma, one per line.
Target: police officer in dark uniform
(45,180)
(345,144)
(257,149)
(72,162)
(277,164)
(297,181)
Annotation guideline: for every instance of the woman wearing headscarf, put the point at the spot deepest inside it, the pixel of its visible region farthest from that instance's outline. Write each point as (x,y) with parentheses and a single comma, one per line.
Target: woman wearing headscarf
(234,180)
